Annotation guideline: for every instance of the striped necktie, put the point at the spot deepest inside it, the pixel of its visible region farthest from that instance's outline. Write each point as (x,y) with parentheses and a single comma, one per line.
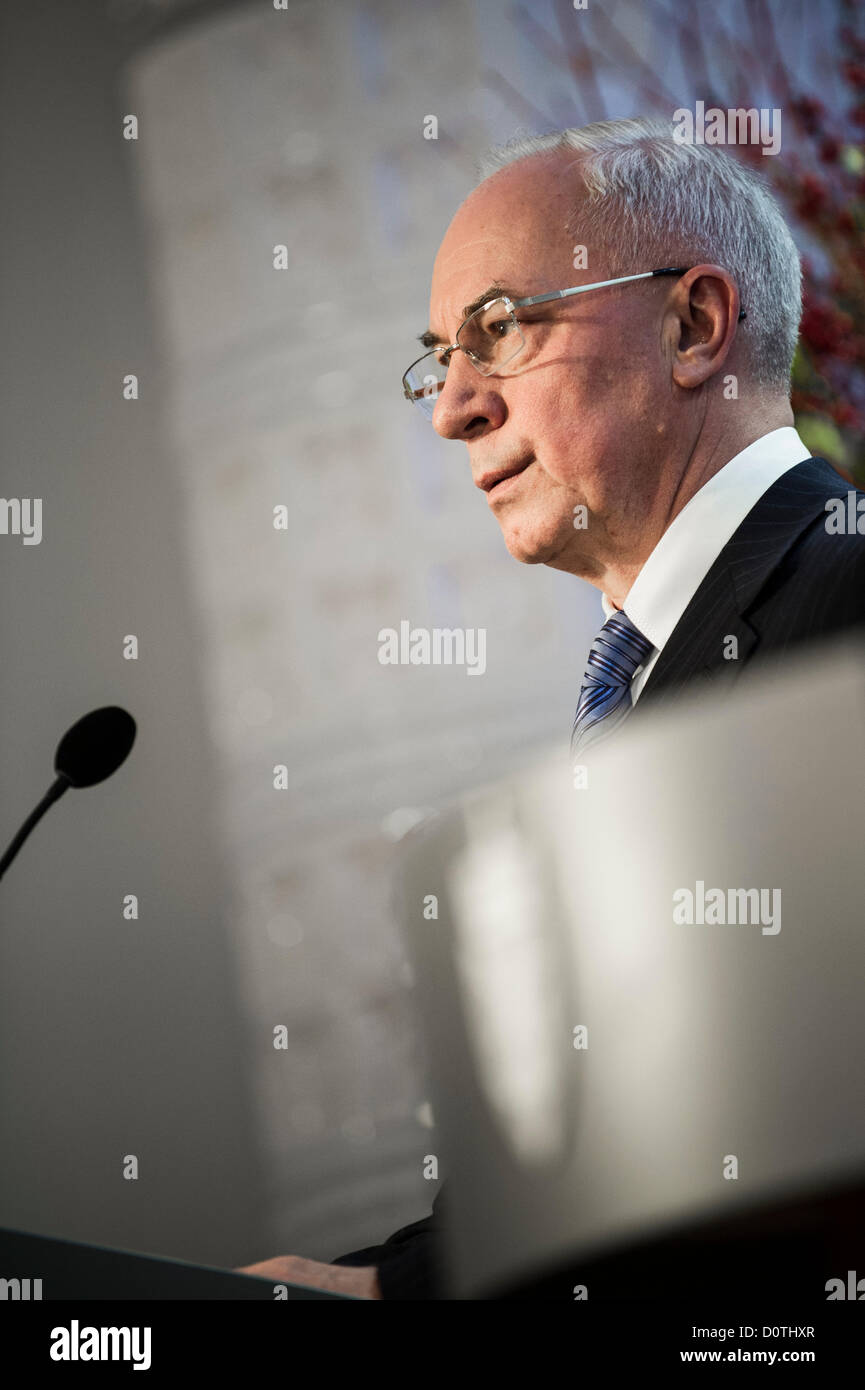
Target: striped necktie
(605,697)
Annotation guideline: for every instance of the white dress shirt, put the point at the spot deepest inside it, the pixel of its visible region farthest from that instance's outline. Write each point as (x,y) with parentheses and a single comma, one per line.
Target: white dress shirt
(695,538)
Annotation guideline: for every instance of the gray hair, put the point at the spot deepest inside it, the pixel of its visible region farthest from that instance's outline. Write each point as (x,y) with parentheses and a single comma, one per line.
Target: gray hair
(653,202)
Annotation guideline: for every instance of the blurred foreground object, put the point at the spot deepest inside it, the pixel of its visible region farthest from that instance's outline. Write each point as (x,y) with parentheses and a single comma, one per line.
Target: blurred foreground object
(643,1001)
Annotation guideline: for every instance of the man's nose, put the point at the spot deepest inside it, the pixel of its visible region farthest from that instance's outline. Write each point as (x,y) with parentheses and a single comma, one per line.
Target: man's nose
(468,403)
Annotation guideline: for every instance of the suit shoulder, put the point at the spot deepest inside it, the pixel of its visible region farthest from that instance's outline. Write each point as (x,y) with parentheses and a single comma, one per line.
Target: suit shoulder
(833,543)
(822,577)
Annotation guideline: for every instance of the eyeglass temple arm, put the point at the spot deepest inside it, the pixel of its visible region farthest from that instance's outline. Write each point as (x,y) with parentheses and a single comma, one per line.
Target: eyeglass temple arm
(602,284)
(581,289)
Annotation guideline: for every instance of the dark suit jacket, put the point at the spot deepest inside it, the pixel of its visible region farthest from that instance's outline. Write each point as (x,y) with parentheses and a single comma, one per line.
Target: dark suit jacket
(410,1261)
(781,580)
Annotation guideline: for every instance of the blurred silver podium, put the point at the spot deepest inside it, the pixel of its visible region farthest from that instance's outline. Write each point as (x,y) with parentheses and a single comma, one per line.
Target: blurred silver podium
(642,988)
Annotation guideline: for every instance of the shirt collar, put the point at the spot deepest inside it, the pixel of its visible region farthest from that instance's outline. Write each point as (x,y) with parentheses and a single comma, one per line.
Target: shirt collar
(696,536)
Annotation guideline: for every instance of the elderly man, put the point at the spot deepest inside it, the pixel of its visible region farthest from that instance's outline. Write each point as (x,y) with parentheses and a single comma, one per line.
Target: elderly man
(613,319)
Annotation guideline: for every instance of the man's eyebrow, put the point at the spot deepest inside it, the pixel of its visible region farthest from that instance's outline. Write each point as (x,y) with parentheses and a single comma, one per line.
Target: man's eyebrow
(430,339)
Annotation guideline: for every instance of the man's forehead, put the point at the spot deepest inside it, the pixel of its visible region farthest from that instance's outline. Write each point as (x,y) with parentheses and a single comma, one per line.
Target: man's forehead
(486,266)
(461,275)
(513,230)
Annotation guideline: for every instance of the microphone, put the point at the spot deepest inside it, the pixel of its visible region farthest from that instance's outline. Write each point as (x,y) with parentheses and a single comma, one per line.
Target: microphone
(86,754)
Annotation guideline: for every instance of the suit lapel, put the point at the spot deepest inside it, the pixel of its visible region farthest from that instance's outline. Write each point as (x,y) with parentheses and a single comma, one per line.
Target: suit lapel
(718,611)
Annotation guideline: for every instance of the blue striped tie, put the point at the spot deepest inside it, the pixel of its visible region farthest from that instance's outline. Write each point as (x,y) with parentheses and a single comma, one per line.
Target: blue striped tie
(605,697)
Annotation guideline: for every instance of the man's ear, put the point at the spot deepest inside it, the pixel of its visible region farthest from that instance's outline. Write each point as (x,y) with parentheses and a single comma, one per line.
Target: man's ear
(706,305)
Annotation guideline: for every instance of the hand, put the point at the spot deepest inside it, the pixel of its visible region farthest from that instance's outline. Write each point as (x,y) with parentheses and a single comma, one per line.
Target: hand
(359,1281)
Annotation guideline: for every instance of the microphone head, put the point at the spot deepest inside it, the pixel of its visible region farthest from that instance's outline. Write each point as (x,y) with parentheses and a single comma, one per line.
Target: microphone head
(95,747)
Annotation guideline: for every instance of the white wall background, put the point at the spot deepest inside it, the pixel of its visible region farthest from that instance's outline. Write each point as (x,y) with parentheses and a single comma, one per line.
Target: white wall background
(306,128)
(116,1037)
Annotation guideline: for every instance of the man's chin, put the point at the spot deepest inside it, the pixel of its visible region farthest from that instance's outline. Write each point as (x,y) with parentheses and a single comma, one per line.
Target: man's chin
(526,557)
(532,549)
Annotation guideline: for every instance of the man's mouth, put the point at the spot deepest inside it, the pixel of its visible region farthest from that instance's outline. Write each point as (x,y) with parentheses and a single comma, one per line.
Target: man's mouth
(499,478)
